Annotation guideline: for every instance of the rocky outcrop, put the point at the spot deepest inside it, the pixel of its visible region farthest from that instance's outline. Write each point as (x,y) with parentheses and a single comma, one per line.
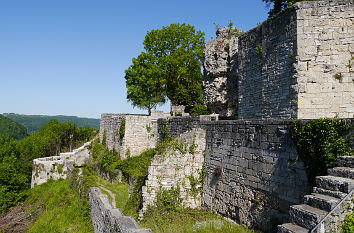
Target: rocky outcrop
(219,83)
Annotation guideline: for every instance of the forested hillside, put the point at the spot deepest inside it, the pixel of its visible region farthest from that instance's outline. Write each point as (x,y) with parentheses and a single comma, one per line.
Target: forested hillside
(34,122)
(12,129)
(16,156)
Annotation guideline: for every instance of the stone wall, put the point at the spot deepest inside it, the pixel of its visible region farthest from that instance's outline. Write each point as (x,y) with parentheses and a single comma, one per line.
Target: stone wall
(106,218)
(325,59)
(140,132)
(253,173)
(58,167)
(297,64)
(180,166)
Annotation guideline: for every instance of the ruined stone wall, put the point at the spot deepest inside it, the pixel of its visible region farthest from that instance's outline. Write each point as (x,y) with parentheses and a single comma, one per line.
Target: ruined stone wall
(325,59)
(58,167)
(106,218)
(297,64)
(140,132)
(180,166)
(253,173)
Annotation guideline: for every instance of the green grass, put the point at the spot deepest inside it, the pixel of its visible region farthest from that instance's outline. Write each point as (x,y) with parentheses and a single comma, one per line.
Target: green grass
(183,221)
(120,190)
(61,208)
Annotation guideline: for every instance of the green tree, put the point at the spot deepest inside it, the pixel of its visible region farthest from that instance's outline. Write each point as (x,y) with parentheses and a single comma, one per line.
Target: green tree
(173,58)
(279,5)
(145,88)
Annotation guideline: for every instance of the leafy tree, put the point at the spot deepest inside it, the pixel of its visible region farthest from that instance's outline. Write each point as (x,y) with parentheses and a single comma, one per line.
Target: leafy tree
(144,84)
(12,129)
(279,5)
(173,59)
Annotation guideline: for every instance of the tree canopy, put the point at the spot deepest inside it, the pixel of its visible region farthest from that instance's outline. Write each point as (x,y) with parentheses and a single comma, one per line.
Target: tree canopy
(279,5)
(169,67)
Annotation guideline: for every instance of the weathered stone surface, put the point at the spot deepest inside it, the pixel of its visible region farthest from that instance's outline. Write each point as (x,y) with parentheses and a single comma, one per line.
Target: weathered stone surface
(346,172)
(176,168)
(306,216)
(344,185)
(291,228)
(298,64)
(346,161)
(107,219)
(58,167)
(320,201)
(140,132)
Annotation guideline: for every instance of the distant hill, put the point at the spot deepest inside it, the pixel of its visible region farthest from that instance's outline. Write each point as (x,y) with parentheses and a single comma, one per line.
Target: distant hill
(34,122)
(11,128)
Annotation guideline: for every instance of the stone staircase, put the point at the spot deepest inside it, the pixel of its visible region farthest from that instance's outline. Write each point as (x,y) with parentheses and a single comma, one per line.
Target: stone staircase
(330,190)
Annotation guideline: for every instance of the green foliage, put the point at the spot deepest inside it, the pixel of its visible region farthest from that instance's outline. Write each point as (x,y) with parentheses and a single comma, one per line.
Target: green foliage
(145,86)
(34,123)
(60,208)
(171,66)
(168,199)
(104,138)
(338,76)
(122,130)
(319,143)
(16,157)
(279,5)
(259,50)
(348,224)
(184,220)
(199,109)
(12,129)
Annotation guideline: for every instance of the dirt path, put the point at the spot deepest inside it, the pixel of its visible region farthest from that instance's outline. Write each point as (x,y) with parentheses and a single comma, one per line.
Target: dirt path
(113,196)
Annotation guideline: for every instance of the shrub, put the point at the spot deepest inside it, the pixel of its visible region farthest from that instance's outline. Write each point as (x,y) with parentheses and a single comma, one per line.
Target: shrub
(199,109)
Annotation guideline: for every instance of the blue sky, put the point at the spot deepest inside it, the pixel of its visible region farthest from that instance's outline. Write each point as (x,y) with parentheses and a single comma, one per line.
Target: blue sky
(68,56)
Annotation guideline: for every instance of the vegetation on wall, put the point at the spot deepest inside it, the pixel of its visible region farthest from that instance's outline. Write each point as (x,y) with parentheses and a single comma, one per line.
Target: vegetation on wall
(199,109)
(279,5)
(319,142)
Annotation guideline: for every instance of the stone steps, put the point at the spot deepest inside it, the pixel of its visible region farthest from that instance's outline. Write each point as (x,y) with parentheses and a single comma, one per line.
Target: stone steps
(327,195)
(346,172)
(306,216)
(346,161)
(321,201)
(291,228)
(335,183)
(336,194)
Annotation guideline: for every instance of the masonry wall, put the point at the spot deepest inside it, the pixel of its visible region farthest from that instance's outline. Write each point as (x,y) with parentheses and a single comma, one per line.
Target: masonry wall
(295,65)
(58,167)
(140,132)
(178,169)
(325,59)
(253,173)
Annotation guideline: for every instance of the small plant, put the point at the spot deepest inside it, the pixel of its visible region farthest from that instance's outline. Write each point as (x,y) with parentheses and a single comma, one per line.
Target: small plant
(199,109)
(60,168)
(104,138)
(259,50)
(148,128)
(338,76)
(122,130)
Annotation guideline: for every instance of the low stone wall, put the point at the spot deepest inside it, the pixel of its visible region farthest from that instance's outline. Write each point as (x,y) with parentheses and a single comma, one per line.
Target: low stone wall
(178,169)
(106,218)
(58,167)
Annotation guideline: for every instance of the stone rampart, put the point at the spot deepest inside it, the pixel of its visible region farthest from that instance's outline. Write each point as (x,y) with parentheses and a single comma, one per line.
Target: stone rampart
(295,65)
(58,167)
(106,218)
(130,134)
(253,173)
(179,167)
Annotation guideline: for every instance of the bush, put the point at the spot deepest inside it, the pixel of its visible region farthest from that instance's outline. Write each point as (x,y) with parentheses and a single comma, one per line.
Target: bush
(319,143)
(348,225)
(199,109)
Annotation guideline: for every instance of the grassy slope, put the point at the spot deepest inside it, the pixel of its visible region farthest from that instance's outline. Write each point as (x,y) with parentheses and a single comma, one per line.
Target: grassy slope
(61,208)
(35,122)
